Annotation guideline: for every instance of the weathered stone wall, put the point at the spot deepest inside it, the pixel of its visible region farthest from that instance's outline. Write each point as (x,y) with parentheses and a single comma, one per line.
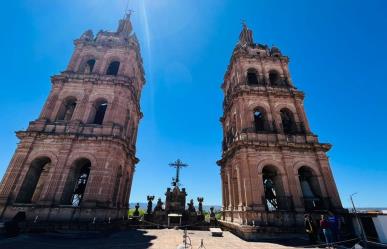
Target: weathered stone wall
(247,151)
(53,149)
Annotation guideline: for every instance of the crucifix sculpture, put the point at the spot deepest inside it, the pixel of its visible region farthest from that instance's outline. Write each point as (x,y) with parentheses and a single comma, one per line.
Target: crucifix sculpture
(178,165)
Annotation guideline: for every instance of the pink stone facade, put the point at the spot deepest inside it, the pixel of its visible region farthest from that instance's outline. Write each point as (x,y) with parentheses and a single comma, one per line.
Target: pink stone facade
(266,135)
(87,128)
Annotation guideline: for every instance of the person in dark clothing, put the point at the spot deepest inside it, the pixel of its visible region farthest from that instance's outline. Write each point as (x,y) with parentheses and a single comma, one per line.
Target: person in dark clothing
(310,228)
(335,226)
(326,228)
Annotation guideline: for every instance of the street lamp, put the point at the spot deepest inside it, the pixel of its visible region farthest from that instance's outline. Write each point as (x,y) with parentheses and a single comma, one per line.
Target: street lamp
(362,233)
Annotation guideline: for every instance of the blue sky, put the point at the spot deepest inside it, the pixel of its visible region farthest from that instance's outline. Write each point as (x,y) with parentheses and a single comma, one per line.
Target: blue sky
(337,49)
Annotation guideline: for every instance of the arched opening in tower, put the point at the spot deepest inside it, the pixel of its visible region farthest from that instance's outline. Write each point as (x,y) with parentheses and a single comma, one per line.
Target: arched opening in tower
(259,120)
(66,110)
(113,68)
(89,66)
(287,119)
(100,111)
(252,78)
(34,180)
(273,188)
(310,188)
(76,182)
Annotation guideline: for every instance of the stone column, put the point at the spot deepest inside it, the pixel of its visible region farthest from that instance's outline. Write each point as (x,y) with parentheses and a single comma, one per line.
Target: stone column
(275,124)
(293,185)
(112,111)
(246,175)
(54,190)
(16,171)
(224,194)
(240,190)
(301,114)
(230,197)
(80,109)
(329,183)
(74,60)
(264,73)
(47,112)
(259,192)
(127,197)
(48,109)
(12,175)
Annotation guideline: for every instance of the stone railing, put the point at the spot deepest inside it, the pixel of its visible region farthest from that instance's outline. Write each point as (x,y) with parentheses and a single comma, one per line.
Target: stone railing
(275,137)
(96,77)
(79,129)
(268,137)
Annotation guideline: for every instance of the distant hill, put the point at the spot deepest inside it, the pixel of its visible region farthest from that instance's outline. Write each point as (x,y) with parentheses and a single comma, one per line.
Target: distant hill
(145,205)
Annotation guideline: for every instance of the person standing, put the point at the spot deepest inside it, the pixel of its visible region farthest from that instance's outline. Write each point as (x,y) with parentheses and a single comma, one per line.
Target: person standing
(310,228)
(335,224)
(325,226)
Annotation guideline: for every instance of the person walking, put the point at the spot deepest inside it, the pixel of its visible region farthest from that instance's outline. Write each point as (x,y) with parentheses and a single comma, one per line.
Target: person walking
(325,226)
(310,228)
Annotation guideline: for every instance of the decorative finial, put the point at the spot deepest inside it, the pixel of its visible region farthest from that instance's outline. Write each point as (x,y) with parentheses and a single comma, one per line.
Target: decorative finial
(244,23)
(126,10)
(246,35)
(125,26)
(128,13)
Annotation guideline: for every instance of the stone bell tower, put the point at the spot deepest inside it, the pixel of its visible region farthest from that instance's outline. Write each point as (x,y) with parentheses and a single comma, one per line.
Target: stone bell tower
(273,167)
(76,161)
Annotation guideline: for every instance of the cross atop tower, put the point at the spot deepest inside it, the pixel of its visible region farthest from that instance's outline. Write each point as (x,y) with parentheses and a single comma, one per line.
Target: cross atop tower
(128,13)
(178,165)
(244,23)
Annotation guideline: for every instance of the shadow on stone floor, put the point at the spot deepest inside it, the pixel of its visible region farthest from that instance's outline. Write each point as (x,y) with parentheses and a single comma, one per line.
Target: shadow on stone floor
(127,239)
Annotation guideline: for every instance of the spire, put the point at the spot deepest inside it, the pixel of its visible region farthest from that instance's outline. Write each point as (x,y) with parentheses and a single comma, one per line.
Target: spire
(125,25)
(246,36)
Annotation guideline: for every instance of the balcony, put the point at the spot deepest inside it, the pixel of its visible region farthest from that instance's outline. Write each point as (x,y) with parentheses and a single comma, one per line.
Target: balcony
(95,77)
(268,136)
(78,129)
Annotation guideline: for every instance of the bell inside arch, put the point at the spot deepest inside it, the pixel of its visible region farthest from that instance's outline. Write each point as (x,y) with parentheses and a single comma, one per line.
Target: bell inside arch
(307,189)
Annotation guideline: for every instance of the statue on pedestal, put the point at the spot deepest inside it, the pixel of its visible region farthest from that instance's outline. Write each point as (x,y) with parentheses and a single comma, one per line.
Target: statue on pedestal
(159,205)
(136,213)
(191,207)
(150,198)
(212,217)
(200,208)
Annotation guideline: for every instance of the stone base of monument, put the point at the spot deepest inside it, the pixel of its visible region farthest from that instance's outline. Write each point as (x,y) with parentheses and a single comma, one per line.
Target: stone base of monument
(254,233)
(61,213)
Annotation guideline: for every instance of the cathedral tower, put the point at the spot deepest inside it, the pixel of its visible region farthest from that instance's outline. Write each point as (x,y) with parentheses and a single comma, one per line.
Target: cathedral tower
(273,167)
(76,161)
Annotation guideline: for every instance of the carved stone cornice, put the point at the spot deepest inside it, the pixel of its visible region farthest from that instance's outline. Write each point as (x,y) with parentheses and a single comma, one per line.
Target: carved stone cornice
(278,142)
(260,91)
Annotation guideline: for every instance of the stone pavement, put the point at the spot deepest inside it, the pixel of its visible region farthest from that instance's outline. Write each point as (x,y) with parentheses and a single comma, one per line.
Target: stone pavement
(141,239)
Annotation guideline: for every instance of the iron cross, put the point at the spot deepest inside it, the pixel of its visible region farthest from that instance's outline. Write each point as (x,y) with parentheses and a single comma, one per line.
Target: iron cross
(178,165)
